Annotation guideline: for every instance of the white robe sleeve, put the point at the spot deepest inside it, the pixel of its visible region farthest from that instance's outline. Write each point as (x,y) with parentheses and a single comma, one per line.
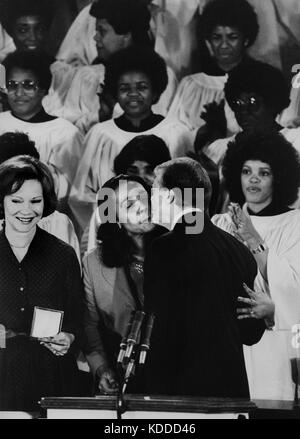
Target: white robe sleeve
(88,180)
(284,277)
(6,44)
(193,93)
(165,100)
(66,151)
(59,225)
(78,46)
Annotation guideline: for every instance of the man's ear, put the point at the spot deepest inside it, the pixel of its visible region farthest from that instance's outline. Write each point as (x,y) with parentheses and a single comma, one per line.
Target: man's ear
(171,196)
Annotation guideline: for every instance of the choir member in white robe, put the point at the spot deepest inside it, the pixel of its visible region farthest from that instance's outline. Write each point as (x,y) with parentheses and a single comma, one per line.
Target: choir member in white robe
(74,94)
(59,142)
(57,223)
(263,171)
(230,27)
(135,78)
(256,106)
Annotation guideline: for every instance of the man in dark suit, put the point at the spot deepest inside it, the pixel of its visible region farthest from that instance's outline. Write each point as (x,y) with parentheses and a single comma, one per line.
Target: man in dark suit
(193,277)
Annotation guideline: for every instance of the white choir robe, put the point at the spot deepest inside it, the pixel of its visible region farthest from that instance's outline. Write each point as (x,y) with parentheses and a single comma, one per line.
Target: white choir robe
(73,94)
(60,225)
(268,362)
(6,44)
(79,46)
(195,91)
(102,144)
(59,143)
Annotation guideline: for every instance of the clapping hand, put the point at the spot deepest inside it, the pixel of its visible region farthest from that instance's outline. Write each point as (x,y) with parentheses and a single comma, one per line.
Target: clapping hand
(244,229)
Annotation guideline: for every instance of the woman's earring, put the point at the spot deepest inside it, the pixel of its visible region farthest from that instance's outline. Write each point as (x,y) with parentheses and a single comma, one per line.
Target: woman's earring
(119,225)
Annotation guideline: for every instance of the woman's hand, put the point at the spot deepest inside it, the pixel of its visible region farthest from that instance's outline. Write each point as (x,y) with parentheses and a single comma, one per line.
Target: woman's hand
(245,231)
(107,381)
(59,344)
(261,305)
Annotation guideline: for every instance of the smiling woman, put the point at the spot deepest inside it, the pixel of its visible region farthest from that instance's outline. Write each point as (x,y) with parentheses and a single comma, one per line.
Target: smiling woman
(36,269)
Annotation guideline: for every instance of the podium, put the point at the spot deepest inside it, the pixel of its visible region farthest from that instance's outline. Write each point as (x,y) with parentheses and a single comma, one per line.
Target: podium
(147,407)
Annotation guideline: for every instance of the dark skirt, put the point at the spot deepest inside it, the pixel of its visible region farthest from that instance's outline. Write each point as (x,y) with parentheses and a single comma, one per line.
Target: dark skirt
(29,371)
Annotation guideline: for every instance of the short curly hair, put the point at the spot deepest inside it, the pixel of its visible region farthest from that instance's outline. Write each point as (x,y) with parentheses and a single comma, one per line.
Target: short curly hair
(271,148)
(233,13)
(16,170)
(263,79)
(11,10)
(151,149)
(37,63)
(125,16)
(136,59)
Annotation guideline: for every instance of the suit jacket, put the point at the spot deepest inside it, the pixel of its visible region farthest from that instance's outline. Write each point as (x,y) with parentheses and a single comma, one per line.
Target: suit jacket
(192,282)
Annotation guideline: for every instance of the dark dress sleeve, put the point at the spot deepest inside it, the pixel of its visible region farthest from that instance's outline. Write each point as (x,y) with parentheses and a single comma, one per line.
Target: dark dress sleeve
(73,301)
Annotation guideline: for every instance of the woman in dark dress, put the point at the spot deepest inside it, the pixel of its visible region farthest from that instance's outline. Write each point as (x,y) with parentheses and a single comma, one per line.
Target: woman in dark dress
(36,269)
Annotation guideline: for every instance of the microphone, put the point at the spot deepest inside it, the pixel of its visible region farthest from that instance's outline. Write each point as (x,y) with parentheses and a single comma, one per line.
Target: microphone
(123,344)
(134,334)
(145,345)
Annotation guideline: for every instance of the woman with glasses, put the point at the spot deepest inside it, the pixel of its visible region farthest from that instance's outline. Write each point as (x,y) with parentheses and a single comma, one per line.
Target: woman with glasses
(256,100)
(262,173)
(59,143)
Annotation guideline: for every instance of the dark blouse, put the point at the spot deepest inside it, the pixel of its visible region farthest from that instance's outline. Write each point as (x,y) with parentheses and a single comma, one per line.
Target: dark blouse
(48,276)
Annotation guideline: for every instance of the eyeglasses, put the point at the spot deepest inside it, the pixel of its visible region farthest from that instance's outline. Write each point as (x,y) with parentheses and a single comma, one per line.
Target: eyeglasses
(251,104)
(29,86)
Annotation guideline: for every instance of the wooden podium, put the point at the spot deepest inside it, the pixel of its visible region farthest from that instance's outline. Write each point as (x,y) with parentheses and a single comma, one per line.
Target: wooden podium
(147,407)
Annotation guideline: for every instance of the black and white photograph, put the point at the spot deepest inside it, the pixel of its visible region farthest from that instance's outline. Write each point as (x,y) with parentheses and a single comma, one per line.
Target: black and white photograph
(149,212)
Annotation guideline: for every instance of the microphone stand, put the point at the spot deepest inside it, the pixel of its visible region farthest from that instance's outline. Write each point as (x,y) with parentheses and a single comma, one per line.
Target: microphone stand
(133,351)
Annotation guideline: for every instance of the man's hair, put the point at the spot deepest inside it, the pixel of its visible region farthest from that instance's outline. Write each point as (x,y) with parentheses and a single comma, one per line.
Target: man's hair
(271,148)
(186,173)
(232,13)
(18,143)
(136,59)
(150,149)
(125,16)
(37,63)
(263,79)
(11,10)
(16,170)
